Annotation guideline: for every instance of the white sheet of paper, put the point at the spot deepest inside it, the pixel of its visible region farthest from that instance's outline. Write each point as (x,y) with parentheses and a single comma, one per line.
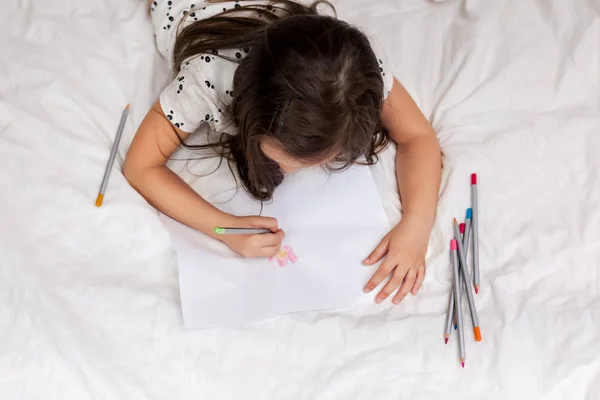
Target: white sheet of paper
(332,221)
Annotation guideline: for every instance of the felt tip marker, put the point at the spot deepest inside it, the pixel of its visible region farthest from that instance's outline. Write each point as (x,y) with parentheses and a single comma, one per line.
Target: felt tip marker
(241,231)
(475,227)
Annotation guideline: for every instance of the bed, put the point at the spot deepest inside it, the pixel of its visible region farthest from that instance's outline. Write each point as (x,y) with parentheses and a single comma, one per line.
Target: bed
(89,300)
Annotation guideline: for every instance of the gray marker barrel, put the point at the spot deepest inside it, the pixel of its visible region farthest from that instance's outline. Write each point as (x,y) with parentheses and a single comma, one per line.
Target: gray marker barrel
(475,227)
(241,231)
(461,332)
(467,278)
(449,314)
(113,150)
(467,236)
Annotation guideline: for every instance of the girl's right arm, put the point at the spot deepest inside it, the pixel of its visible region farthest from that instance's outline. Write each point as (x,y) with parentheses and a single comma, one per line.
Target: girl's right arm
(145,169)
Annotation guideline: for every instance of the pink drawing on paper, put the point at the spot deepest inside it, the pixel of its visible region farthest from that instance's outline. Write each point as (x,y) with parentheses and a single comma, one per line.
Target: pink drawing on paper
(285,254)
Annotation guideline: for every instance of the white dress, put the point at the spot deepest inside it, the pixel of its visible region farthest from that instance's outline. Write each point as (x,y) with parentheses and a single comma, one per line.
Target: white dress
(202,90)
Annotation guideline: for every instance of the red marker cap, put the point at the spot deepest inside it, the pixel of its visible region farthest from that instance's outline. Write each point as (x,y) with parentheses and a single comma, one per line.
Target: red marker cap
(453,244)
(461,227)
(473,179)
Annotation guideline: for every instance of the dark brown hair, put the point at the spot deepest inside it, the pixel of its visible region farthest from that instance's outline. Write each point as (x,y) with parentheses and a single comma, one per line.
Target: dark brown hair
(310,82)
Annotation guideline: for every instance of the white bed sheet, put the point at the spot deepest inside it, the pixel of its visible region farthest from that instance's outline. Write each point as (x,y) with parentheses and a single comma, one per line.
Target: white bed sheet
(89,302)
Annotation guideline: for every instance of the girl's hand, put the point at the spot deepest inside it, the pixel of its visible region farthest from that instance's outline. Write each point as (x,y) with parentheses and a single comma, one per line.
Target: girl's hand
(262,245)
(404,248)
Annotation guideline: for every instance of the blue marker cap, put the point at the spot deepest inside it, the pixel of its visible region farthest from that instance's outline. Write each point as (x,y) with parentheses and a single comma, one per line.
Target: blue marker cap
(469,213)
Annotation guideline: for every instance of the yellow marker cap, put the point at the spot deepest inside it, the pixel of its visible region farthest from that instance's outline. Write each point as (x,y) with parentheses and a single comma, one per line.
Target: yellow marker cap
(99,199)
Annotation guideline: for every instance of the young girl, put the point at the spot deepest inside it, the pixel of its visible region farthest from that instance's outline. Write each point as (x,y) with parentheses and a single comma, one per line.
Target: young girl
(286,88)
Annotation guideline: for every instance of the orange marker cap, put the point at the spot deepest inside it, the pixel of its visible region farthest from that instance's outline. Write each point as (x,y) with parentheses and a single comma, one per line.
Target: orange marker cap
(99,199)
(477,334)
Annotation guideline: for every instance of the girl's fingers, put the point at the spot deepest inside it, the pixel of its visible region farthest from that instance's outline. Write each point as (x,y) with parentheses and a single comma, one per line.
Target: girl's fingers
(264,222)
(409,281)
(384,269)
(392,285)
(378,252)
(268,251)
(269,239)
(419,279)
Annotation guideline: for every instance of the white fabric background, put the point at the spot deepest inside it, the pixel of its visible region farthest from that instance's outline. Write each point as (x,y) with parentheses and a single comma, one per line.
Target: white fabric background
(89,303)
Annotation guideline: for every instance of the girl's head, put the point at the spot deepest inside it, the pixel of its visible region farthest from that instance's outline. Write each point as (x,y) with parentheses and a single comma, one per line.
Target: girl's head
(309,92)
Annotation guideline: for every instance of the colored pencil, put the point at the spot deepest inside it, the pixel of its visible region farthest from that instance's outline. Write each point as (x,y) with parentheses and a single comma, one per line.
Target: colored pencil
(475,222)
(461,334)
(467,237)
(460,289)
(462,230)
(450,314)
(467,279)
(241,231)
(111,158)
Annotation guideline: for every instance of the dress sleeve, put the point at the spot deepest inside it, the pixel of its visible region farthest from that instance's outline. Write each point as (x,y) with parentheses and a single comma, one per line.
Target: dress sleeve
(384,68)
(186,101)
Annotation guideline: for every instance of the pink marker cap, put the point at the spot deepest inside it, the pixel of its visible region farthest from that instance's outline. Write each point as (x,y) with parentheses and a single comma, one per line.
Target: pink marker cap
(453,244)
(461,227)
(473,179)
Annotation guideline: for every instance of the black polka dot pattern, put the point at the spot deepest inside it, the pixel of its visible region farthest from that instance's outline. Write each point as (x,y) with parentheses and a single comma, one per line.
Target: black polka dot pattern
(381,67)
(171,117)
(181,80)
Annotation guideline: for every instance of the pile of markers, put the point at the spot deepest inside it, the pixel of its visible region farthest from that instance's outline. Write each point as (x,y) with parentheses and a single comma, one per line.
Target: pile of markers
(459,247)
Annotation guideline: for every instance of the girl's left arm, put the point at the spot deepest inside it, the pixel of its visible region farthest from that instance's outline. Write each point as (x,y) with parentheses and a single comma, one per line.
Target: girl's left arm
(418,171)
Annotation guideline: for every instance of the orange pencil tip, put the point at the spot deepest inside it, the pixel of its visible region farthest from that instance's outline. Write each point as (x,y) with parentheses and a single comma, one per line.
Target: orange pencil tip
(477,332)
(455,221)
(127,107)
(99,199)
